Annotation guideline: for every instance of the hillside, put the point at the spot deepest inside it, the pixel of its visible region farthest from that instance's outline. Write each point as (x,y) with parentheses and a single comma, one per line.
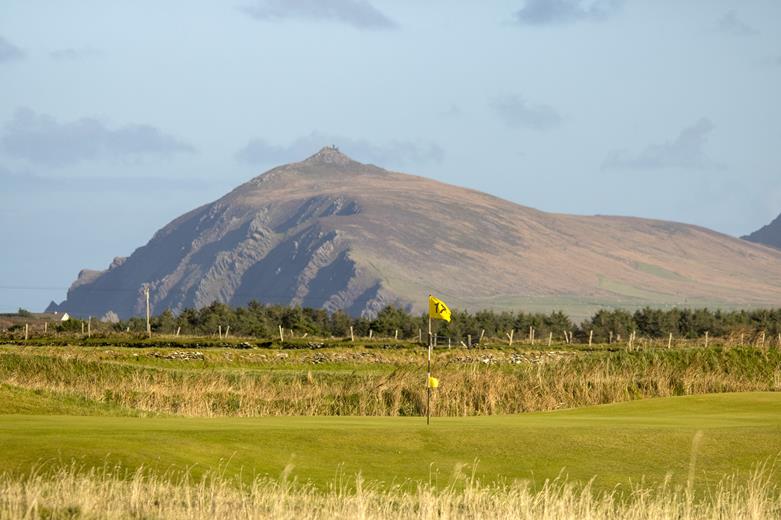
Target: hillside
(334,233)
(769,235)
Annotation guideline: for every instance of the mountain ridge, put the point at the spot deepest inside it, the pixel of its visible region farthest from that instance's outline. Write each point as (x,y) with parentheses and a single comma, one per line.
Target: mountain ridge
(769,235)
(334,233)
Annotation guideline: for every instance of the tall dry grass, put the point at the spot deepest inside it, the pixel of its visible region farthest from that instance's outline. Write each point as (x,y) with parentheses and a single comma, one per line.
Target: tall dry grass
(108,493)
(466,388)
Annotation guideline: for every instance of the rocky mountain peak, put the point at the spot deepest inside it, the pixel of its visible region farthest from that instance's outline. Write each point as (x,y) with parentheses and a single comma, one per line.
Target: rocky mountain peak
(769,235)
(329,155)
(332,233)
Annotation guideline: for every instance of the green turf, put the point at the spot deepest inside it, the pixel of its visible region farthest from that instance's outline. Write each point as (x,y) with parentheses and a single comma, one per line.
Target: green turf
(616,443)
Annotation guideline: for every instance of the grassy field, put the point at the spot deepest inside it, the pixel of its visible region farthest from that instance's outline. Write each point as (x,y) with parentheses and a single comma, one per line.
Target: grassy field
(336,431)
(617,444)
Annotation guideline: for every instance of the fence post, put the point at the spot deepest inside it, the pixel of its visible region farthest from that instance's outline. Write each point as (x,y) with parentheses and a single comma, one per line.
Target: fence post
(670,341)
(550,338)
(590,337)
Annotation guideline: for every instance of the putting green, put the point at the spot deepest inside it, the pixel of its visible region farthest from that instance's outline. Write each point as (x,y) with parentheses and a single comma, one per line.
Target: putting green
(618,443)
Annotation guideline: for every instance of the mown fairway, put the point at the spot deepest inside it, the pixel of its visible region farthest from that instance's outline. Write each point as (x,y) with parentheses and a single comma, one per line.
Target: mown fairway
(616,443)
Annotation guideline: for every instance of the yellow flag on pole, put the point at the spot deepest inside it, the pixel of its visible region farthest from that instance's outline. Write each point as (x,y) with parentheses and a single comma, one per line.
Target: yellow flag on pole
(437,309)
(433,382)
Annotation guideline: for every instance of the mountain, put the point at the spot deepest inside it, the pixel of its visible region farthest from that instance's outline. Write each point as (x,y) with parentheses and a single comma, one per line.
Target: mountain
(333,233)
(769,235)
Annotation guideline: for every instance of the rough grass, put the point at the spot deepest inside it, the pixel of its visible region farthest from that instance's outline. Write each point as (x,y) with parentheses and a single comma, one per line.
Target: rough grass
(109,493)
(375,382)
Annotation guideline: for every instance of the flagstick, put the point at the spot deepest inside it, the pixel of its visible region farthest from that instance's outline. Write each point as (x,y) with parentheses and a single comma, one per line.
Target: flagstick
(428,374)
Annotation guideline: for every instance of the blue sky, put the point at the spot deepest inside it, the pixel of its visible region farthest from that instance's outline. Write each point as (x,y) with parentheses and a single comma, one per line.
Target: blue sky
(116,117)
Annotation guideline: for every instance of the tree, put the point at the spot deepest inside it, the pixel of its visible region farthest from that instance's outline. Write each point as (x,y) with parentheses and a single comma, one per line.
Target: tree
(609,323)
(165,322)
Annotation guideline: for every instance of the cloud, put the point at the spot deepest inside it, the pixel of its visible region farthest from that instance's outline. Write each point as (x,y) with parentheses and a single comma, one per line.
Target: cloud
(5,173)
(40,139)
(685,151)
(74,54)
(357,13)
(394,154)
(549,12)
(734,26)
(517,113)
(9,52)
(452,112)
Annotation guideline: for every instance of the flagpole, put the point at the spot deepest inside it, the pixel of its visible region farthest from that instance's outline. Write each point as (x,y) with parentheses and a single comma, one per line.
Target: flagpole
(428,374)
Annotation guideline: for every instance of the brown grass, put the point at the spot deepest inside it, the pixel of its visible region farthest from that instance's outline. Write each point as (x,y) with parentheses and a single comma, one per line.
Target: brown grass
(111,493)
(487,384)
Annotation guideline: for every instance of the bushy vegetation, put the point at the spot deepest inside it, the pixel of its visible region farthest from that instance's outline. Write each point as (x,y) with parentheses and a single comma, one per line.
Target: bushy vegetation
(264,320)
(378,382)
(605,326)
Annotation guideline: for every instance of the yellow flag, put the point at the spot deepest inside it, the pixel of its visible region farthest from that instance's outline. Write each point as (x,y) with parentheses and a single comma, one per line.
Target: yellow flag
(437,309)
(433,382)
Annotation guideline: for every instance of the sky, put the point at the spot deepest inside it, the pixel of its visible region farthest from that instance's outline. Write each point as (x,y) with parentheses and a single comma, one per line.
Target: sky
(116,117)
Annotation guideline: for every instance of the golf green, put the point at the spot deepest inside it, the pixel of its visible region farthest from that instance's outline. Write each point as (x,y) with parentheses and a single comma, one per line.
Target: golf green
(616,444)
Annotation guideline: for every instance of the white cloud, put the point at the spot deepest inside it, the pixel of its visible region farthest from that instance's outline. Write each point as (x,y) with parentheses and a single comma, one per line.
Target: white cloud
(9,51)
(357,13)
(517,113)
(40,139)
(549,12)
(734,26)
(687,150)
